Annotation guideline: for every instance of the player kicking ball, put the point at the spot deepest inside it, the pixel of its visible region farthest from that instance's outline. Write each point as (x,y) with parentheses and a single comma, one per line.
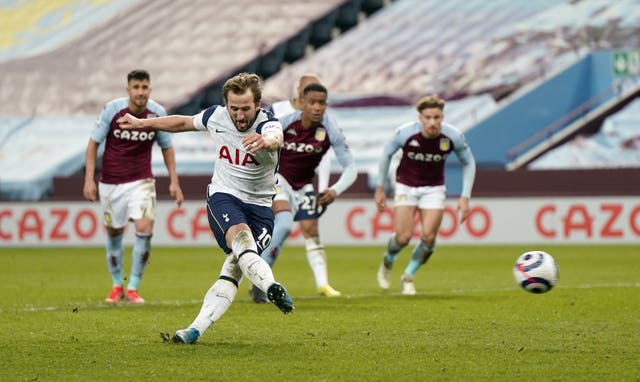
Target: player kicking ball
(240,194)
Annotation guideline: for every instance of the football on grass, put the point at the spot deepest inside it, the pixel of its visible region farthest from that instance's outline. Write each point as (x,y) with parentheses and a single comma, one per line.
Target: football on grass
(536,271)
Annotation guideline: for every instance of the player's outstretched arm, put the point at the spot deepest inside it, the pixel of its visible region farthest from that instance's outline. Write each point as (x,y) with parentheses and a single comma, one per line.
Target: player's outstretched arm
(172,123)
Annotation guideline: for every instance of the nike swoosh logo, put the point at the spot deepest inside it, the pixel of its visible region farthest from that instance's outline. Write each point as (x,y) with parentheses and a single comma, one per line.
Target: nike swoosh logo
(220,131)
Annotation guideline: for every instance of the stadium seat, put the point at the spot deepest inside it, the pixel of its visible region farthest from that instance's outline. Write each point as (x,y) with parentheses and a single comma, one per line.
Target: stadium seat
(322,30)
(348,14)
(112,40)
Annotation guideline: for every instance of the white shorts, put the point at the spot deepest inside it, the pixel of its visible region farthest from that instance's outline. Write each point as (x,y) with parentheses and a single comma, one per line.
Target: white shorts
(294,197)
(127,201)
(425,197)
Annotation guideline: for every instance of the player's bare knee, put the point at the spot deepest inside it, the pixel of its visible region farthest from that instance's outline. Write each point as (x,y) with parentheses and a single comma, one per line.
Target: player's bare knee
(144,226)
(428,238)
(403,239)
(243,238)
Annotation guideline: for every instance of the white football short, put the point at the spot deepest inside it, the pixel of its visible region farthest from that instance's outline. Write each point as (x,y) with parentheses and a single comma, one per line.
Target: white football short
(294,197)
(425,197)
(127,201)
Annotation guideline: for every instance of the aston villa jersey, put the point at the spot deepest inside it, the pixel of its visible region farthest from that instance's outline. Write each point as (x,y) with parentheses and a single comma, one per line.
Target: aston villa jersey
(127,153)
(423,159)
(303,149)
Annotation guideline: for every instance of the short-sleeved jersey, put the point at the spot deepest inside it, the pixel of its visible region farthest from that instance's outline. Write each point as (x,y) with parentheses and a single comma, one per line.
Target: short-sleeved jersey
(423,159)
(303,149)
(127,153)
(251,177)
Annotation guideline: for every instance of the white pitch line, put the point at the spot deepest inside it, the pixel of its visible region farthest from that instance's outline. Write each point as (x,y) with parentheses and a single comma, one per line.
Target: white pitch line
(84,306)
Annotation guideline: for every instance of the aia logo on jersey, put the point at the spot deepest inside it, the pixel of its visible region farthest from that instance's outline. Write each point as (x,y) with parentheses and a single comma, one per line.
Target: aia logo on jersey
(237,157)
(134,135)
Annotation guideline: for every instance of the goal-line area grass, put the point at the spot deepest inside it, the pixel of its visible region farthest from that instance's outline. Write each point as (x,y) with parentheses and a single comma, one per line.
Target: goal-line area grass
(468,321)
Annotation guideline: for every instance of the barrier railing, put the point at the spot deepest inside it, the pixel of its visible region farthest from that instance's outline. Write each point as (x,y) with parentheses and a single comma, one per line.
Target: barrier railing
(547,133)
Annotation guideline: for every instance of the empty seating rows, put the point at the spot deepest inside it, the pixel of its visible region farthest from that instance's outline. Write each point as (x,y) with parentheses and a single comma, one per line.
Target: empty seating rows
(463,47)
(184,45)
(38,26)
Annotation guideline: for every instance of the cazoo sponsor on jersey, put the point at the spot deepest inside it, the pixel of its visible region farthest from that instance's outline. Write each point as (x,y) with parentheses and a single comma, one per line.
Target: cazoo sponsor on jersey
(134,135)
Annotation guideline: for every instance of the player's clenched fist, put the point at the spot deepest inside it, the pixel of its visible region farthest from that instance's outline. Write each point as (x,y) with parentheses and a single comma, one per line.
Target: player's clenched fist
(128,121)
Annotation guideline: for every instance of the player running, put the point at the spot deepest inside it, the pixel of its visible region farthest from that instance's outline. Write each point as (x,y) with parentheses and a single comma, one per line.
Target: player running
(425,145)
(308,134)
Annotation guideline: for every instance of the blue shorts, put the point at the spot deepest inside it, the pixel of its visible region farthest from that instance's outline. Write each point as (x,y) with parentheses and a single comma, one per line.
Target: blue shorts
(225,210)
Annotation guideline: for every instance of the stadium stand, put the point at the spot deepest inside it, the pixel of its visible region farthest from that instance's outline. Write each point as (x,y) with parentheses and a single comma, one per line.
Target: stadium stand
(62,60)
(186,46)
(407,48)
(460,47)
(616,144)
(529,117)
(34,27)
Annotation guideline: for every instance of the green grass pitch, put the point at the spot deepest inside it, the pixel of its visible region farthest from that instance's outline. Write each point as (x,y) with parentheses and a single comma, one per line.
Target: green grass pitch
(469,321)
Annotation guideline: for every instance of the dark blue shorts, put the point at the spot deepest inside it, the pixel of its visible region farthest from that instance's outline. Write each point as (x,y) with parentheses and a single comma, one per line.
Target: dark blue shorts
(225,210)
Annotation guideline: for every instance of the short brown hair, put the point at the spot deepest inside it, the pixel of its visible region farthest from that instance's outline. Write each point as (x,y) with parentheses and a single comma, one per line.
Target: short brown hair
(239,84)
(138,74)
(429,102)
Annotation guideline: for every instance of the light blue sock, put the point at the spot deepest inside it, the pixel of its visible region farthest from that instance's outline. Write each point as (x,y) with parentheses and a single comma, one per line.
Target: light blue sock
(420,255)
(393,248)
(283,222)
(114,258)
(140,258)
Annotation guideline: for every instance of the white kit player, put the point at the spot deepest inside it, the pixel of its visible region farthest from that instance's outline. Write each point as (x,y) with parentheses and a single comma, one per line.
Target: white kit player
(420,185)
(308,134)
(240,194)
(127,188)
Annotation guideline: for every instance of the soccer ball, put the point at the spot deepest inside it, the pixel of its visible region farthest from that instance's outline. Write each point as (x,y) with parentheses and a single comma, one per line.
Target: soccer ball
(536,271)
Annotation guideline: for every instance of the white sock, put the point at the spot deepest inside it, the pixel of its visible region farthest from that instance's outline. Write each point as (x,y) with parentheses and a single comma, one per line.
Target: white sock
(317,259)
(216,302)
(253,266)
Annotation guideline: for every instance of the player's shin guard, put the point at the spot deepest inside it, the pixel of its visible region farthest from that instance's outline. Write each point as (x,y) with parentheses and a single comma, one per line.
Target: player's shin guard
(216,302)
(115,251)
(393,248)
(421,254)
(317,259)
(253,266)
(140,258)
(283,222)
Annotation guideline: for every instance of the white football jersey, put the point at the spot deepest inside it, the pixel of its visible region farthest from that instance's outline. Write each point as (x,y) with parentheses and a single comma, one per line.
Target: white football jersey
(251,177)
